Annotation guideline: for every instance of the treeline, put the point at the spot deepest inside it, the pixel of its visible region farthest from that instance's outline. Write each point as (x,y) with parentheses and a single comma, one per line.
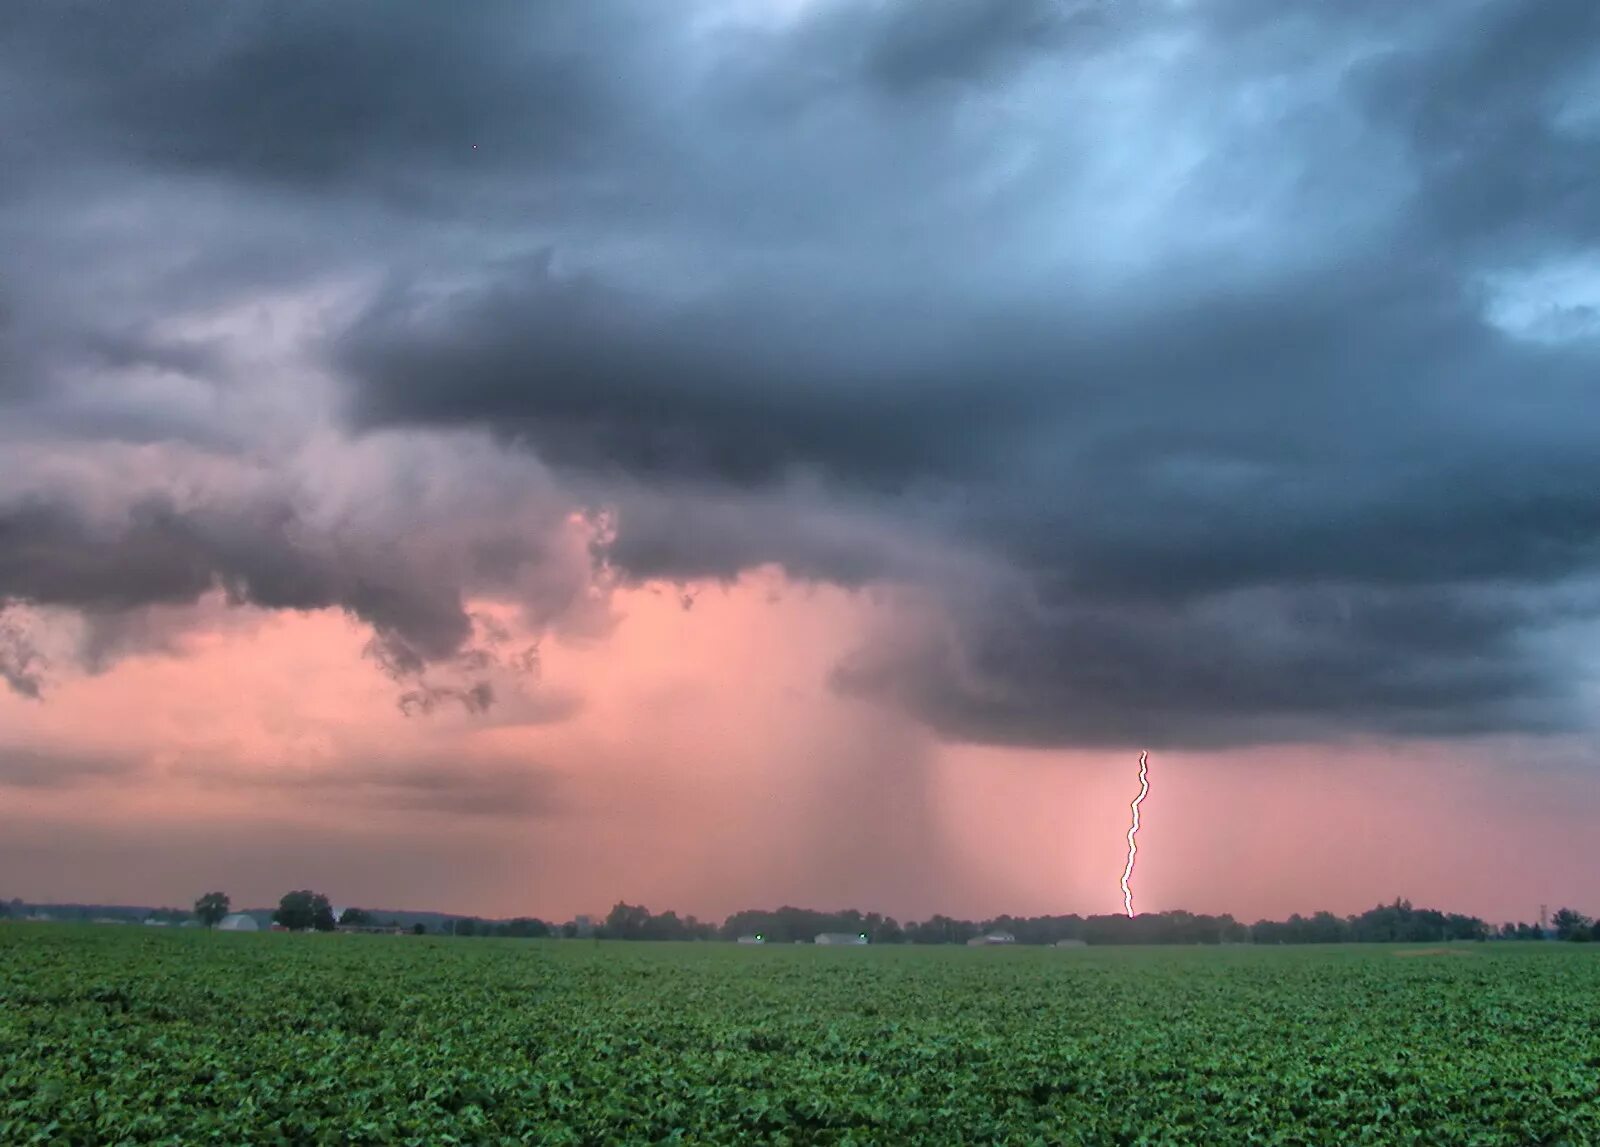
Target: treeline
(1398,922)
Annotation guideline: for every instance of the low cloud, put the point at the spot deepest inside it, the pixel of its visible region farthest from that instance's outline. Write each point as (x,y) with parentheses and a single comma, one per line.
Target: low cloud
(420,784)
(31,768)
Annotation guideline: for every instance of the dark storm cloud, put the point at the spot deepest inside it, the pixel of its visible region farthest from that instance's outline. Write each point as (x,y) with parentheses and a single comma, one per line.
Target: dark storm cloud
(311,95)
(1183,321)
(1482,112)
(742,390)
(1269,665)
(53,555)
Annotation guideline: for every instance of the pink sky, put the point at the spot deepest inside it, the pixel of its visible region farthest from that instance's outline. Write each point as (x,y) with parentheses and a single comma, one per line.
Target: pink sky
(696,759)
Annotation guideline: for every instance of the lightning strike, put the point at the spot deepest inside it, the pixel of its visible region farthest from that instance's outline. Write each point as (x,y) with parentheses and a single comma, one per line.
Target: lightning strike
(1133,832)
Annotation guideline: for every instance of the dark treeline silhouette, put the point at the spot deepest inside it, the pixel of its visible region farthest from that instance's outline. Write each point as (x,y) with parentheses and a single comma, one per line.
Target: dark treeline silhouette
(1387,923)
(523,928)
(1398,922)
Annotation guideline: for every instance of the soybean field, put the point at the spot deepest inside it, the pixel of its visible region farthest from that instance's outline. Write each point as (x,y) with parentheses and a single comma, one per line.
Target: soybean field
(112,1035)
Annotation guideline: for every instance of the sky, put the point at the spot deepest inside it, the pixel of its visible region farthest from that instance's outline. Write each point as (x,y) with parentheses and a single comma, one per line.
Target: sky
(516,457)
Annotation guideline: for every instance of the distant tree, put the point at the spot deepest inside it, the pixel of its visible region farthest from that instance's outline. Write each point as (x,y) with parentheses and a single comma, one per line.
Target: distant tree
(527,928)
(467,926)
(698,930)
(1570,924)
(304,910)
(419,929)
(569,930)
(211,908)
(626,922)
(356,917)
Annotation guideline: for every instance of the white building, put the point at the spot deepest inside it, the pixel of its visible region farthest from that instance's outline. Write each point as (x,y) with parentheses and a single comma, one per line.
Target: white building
(842,938)
(752,940)
(238,922)
(990,938)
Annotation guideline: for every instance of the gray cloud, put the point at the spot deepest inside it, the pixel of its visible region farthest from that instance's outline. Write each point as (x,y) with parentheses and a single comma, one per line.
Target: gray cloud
(21,664)
(161,554)
(404,784)
(309,97)
(1278,664)
(737,389)
(1139,336)
(376,531)
(24,767)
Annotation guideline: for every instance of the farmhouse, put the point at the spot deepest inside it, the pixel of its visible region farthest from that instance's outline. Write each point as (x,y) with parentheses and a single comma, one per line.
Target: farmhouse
(991,938)
(842,938)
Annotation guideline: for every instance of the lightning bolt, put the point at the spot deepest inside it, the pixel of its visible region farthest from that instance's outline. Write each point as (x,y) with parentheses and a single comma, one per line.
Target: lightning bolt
(1133,831)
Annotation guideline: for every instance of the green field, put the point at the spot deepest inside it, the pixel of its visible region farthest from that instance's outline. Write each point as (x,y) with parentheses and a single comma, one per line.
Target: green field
(134,1035)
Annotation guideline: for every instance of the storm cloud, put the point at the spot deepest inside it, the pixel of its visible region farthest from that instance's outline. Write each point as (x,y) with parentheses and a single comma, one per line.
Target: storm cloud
(1203,374)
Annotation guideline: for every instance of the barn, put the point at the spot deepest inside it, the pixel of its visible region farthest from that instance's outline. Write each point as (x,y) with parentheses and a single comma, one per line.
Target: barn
(239,922)
(842,938)
(991,938)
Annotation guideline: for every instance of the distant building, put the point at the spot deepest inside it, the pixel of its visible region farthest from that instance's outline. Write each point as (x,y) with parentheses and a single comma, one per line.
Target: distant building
(752,940)
(238,922)
(584,926)
(842,938)
(991,938)
(1072,944)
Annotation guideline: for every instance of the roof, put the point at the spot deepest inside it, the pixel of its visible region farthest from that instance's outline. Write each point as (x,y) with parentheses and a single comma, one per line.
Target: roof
(997,937)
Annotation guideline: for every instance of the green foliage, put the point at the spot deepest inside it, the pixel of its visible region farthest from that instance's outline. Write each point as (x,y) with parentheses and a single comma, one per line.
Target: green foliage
(211,908)
(1570,924)
(304,910)
(121,1035)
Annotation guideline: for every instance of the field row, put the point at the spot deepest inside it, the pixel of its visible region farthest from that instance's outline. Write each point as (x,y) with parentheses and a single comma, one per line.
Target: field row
(113,1035)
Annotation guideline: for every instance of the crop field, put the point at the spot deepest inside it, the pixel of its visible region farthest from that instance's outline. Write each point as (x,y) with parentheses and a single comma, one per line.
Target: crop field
(135,1035)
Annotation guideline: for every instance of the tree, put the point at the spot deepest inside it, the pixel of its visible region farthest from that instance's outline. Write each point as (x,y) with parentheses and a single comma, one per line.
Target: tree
(303,910)
(419,929)
(211,908)
(356,917)
(626,922)
(1571,924)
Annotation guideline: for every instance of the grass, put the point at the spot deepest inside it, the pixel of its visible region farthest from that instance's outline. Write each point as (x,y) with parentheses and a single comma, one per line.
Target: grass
(135,1035)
